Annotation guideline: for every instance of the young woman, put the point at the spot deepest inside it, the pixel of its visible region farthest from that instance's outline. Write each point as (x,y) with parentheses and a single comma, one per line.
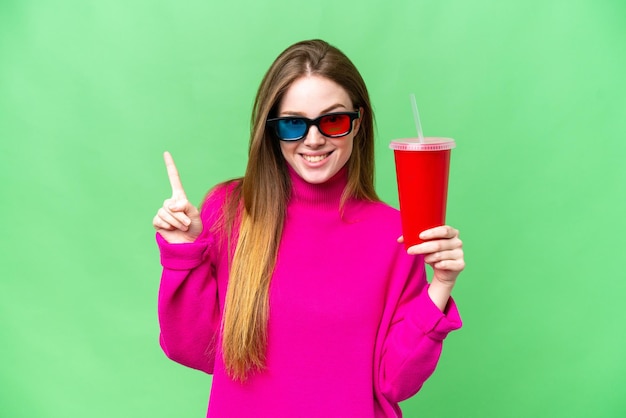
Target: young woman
(290,285)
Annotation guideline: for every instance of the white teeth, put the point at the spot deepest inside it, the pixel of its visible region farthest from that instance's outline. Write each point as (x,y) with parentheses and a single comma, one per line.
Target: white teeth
(314,158)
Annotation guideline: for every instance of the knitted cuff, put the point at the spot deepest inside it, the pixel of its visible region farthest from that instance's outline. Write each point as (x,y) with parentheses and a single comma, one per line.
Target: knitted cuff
(432,321)
(185,256)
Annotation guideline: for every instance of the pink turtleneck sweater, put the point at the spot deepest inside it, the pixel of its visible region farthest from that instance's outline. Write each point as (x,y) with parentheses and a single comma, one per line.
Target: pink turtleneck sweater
(352,330)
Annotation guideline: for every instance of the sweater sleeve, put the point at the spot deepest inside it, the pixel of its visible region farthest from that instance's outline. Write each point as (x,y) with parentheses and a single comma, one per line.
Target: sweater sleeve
(188,304)
(410,344)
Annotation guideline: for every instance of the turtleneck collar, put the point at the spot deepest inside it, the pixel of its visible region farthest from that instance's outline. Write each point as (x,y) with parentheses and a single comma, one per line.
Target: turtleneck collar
(324,196)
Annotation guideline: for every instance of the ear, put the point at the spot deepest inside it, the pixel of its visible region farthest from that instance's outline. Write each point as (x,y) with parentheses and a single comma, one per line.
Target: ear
(357,122)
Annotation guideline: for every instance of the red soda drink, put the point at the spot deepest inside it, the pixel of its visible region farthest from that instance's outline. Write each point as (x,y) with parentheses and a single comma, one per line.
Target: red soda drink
(422,170)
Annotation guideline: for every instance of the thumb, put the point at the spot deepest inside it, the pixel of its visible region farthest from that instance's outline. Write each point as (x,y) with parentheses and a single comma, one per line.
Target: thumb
(179,205)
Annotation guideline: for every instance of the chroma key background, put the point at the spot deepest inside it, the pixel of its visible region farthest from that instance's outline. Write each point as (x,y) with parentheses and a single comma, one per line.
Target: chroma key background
(93,92)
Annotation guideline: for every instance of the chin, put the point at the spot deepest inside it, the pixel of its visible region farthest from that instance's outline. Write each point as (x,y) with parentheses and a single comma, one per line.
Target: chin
(315,178)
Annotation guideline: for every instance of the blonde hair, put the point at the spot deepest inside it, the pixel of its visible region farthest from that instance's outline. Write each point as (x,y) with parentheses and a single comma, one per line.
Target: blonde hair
(257,206)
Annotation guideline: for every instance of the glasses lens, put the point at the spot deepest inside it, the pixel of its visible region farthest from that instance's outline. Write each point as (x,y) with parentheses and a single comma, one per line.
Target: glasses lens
(291,128)
(335,125)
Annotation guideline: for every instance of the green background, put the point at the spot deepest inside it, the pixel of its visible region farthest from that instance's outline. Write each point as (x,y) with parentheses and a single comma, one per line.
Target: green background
(92,93)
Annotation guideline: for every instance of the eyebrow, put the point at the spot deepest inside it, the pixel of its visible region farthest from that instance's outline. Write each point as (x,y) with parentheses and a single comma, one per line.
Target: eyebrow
(327,110)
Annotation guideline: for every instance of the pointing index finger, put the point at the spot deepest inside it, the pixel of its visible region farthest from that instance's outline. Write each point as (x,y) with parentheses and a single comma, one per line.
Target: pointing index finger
(177,187)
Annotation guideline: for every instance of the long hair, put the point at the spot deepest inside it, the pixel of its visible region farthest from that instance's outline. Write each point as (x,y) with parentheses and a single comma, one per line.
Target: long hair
(259,200)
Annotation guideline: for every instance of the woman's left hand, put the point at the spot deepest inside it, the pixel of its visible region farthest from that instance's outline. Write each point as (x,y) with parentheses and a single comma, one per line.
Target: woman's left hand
(443,251)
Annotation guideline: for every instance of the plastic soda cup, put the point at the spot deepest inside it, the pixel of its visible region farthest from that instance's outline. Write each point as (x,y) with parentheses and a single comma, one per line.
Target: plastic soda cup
(422,170)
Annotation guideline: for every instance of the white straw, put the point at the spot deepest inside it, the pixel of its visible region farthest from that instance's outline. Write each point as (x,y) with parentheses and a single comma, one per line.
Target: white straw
(416,116)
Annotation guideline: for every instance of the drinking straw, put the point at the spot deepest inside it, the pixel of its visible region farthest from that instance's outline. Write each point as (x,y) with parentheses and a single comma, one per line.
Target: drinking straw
(416,117)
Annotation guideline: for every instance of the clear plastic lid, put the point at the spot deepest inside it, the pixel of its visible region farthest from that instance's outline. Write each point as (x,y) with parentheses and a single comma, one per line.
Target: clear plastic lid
(429,144)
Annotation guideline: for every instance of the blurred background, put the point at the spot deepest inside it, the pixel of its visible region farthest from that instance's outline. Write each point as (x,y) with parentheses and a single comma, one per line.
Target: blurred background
(93,92)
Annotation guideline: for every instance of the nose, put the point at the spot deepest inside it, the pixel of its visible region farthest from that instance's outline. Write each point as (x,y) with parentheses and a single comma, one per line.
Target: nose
(314,138)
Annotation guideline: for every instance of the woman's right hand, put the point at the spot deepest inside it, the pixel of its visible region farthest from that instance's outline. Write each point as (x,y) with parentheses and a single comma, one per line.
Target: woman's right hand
(178,221)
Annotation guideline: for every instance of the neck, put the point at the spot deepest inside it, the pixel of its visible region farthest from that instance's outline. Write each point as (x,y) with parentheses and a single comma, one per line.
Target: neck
(323,196)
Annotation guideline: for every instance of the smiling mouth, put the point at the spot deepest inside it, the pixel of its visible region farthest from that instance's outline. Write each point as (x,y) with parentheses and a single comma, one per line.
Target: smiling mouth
(315,158)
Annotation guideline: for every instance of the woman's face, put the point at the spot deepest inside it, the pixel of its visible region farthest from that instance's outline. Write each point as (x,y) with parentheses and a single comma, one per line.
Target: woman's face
(317,158)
